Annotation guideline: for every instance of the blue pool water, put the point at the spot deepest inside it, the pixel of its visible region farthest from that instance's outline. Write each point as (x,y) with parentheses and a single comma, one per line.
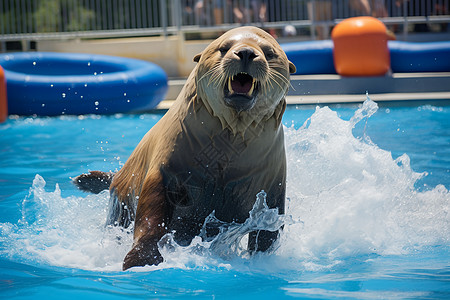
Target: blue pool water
(368,212)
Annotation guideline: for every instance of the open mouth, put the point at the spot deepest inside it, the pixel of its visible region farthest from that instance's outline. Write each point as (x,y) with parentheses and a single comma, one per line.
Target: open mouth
(241,84)
(240,91)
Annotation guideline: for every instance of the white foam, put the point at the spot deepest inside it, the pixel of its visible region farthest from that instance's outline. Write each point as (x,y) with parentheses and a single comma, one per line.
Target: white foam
(351,196)
(67,232)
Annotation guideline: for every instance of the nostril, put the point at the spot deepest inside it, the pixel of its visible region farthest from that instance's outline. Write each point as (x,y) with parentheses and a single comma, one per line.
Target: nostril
(246,54)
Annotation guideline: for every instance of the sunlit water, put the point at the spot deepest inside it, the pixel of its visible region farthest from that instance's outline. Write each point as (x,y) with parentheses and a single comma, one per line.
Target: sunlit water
(367,212)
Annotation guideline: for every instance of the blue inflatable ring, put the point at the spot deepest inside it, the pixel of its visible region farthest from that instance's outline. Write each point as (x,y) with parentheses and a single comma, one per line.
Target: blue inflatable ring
(311,57)
(316,57)
(49,84)
(420,57)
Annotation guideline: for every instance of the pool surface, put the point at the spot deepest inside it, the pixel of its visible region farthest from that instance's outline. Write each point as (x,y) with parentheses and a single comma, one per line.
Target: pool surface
(368,212)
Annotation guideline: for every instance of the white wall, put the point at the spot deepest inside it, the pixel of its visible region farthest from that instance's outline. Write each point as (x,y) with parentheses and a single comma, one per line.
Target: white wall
(173,53)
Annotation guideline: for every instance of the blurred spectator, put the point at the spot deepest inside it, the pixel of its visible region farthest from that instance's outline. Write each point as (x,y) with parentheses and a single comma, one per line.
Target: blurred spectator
(360,7)
(188,12)
(218,11)
(379,9)
(241,13)
(253,11)
(259,9)
(374,8)
(210,9)
(202,12)
(320,11)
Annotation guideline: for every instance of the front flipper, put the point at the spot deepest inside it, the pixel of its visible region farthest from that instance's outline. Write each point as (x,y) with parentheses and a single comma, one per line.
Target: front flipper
(94,182)
(150,226)
(144,252)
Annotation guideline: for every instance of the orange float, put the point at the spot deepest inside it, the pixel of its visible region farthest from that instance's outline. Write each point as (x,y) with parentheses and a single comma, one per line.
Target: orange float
(3,101)
(360,47)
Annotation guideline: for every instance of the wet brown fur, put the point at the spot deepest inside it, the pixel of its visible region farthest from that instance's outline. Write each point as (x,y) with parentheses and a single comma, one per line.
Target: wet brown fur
(169,179)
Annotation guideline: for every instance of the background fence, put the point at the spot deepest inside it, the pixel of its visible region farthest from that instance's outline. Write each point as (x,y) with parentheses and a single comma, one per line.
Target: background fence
(62,19)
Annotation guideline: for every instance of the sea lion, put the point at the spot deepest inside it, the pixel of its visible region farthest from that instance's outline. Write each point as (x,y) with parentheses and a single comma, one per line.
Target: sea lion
(220,144)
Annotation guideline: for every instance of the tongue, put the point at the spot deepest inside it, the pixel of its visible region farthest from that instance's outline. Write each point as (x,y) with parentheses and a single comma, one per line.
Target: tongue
(241,87)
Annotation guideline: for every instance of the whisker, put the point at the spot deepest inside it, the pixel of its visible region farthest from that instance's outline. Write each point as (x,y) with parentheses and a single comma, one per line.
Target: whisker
(281,76)
(275,75)
(206,74)
(215,76)
(270,81)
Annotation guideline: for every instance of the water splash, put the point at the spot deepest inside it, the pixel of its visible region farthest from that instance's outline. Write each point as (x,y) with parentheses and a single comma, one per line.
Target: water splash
(66,232)
(364,112)
(230,243)
(352,197)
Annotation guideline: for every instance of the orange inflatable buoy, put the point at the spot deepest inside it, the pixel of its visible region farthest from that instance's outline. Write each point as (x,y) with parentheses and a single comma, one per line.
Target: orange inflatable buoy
(3,101)
(360,47)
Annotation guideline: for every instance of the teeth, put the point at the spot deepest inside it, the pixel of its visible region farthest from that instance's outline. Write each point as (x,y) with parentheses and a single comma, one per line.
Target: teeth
(229,85)
(252,88)
(230,88)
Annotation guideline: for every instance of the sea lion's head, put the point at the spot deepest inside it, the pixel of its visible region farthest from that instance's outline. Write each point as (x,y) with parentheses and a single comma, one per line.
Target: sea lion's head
(243,77)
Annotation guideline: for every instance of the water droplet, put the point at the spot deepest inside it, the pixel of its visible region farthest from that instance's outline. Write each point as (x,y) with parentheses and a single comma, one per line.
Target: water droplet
(96,103)
(34,63)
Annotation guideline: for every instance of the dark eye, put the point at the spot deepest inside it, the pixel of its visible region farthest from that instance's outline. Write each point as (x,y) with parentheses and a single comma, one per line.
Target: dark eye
(269,53)
(224,50)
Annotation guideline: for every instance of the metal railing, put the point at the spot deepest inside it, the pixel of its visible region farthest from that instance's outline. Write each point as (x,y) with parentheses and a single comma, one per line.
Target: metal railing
(63,19)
